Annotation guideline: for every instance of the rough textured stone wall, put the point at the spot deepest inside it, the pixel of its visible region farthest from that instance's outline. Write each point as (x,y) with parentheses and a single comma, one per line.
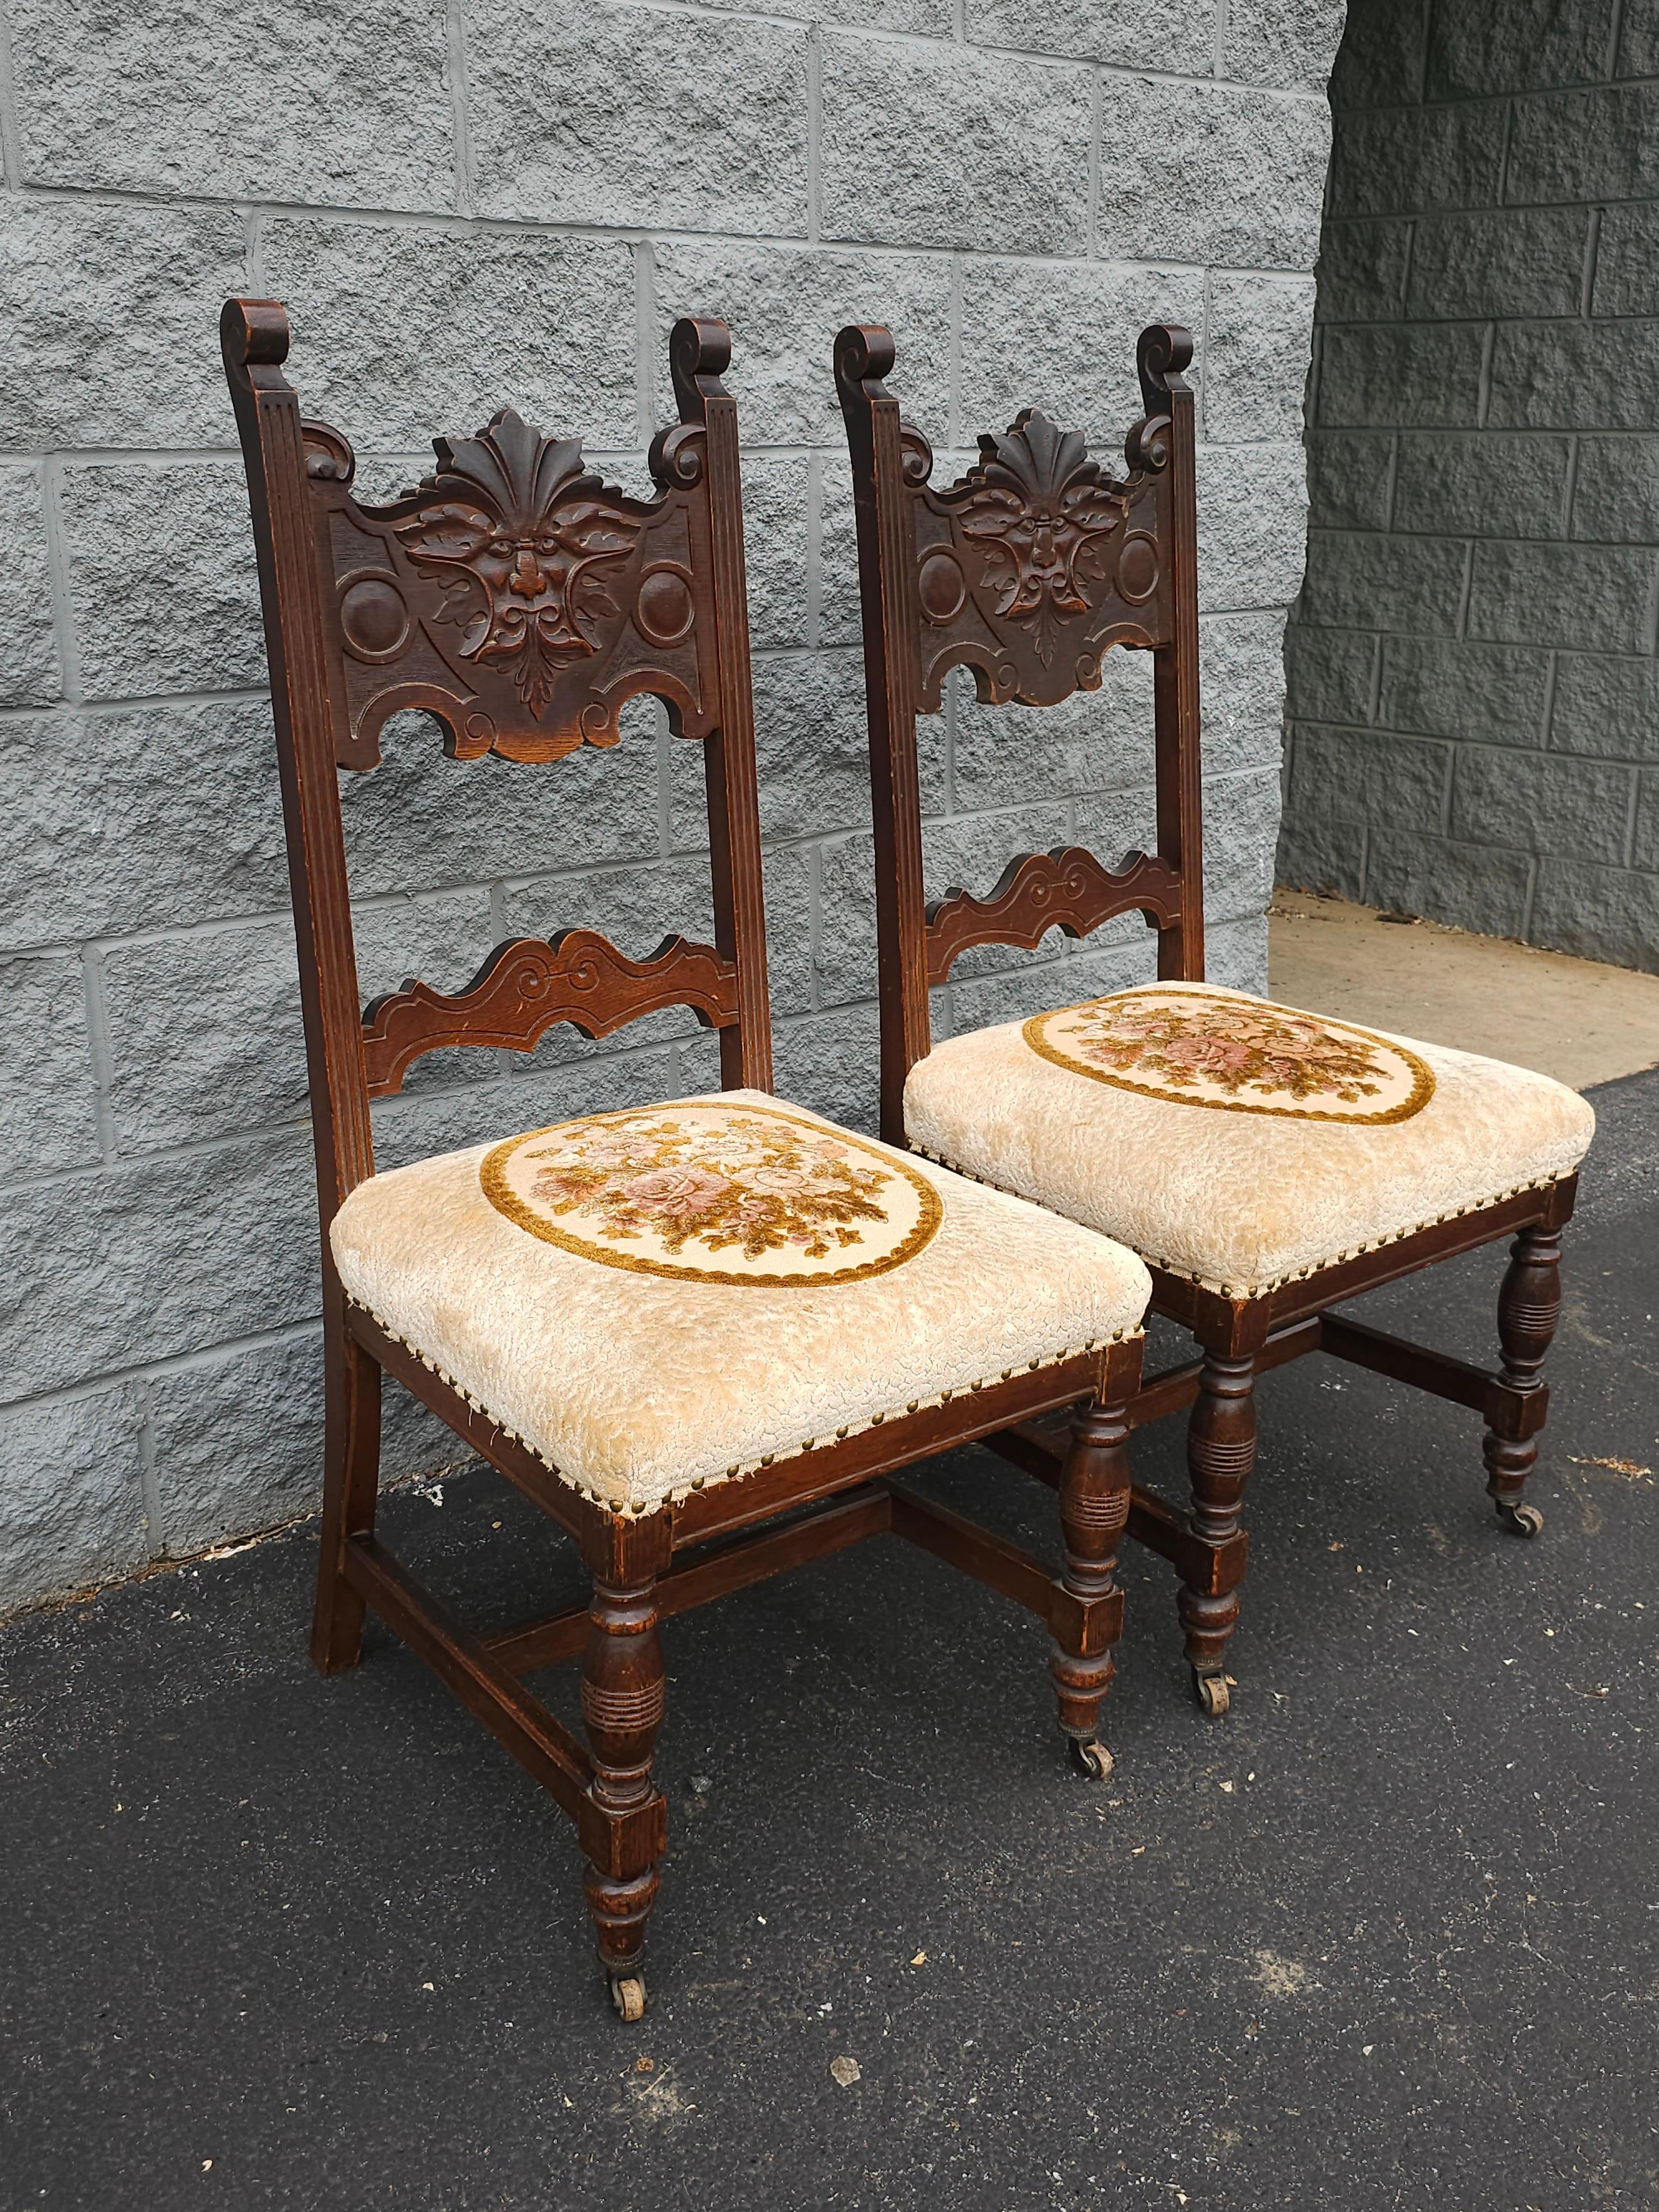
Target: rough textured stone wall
(464,204)
(1473,689)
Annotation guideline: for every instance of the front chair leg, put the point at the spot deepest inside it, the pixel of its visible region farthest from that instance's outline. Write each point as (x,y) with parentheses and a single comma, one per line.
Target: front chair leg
(1094,1511)
(1529,1307)
(623,1696)
(1220,1454)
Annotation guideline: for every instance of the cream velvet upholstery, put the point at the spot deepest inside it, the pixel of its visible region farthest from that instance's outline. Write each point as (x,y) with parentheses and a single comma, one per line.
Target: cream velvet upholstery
(635,1389)
(1239,1201)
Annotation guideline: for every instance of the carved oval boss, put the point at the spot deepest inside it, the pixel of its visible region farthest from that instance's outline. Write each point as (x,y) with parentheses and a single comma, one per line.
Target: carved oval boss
(1035,562)
(513,593)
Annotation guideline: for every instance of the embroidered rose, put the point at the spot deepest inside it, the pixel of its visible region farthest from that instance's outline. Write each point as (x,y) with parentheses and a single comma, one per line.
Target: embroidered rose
(683,1191)
(787,1182)
(1235,1048)
(1210,1056)
(755,1183)
(715,1190)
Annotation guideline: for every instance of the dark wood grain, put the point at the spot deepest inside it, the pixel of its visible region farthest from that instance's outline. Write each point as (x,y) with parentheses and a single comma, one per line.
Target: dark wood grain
(1040,1448)
(1094,1512)
(528,984)
(1508,1409)
(522,601)
(1528,1309)
(1031,567)
(1241,1324)
(815,1533)
(542,1746)
(624,1695)
(902,1438)
(1220,1456)
(887,460)
(1163,351)
(1067,890)
(254,337)
(697,352)
(351,1463)
(513,595)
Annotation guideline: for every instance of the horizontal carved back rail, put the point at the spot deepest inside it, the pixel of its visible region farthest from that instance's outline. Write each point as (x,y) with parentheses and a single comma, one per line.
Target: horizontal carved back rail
(527,985)
(1027,571)
(1068,889)
(522,601)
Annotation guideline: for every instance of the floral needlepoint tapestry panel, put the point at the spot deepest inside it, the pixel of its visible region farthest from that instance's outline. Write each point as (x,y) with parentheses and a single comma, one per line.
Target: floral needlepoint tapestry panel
(714,1193)
(1245,1055)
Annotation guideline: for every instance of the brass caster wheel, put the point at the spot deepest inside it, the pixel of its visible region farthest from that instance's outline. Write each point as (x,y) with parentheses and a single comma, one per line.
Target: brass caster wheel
(1213,1693)
(1091,1759)
(1519,1519)
(627,1995)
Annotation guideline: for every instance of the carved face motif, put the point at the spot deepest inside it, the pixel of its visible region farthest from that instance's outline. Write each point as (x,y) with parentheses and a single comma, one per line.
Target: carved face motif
(518,546)
(1036,510)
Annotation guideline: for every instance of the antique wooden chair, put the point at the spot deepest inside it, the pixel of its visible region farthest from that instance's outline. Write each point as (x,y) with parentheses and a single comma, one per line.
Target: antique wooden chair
(663,1326)
(1266,1163)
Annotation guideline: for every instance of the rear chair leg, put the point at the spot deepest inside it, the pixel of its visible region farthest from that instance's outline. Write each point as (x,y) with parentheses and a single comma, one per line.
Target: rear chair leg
(1094,1511)
(1220,1454)
(625,1692)
(1529,1307)
(351,1478)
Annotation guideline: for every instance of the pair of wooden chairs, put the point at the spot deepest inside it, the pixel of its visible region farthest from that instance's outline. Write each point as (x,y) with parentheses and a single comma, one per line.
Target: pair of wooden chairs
(704,1335)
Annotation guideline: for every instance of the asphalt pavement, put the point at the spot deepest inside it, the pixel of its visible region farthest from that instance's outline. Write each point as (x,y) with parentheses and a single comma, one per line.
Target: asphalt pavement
(1385,1937)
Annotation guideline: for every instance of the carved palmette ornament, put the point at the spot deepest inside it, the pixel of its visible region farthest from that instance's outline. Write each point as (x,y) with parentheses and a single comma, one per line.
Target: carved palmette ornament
(1039,512)
(521,547)
(1033,564)
(513,592)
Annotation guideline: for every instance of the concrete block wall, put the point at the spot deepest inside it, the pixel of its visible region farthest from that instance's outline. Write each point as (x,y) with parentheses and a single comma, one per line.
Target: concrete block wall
(1473,691)
(465,204)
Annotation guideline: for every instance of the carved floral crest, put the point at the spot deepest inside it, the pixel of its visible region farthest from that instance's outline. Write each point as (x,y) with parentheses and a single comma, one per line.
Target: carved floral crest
(518,537)
(1036,505)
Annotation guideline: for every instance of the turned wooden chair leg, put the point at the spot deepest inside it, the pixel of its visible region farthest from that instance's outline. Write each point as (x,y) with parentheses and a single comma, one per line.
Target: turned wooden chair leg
(1529,1307)
(1094,1511)
(625,1692)
(1220,1453)
(351,1479)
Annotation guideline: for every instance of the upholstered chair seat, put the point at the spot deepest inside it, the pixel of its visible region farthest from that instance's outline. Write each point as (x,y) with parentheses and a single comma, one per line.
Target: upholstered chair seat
(660,1299)
(1233,1141)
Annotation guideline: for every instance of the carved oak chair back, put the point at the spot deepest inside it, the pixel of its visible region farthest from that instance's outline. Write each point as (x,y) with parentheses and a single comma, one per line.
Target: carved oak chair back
(1332,1160)
(1027,572)
(522,600)
(843,1314)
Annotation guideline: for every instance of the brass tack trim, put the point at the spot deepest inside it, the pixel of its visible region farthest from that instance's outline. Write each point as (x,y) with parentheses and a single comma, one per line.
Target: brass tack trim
(636,1509)
(1188,1275)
